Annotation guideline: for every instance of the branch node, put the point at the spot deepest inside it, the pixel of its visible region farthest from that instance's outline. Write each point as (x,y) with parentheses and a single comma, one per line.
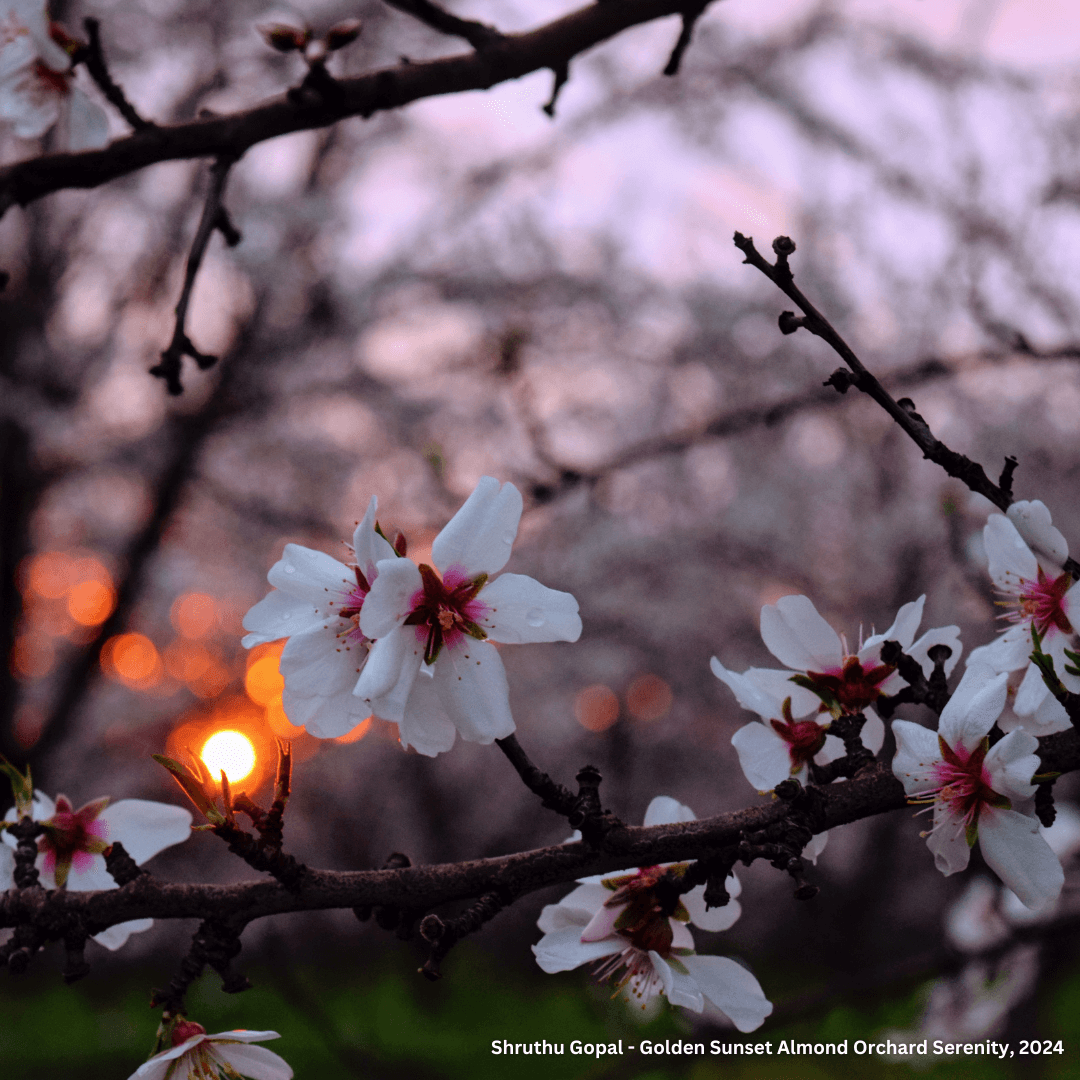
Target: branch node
(690,16)
(1005,481)
(561,73)
(789,322)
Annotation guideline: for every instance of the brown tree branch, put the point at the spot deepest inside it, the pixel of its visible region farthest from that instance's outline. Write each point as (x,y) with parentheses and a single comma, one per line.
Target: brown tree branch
(550,46)
(902,411)
(50,915)
(479,35)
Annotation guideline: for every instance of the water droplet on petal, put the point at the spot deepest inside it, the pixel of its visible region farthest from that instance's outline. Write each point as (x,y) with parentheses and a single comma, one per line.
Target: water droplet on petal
(508,536)
(534,617)
(289,568)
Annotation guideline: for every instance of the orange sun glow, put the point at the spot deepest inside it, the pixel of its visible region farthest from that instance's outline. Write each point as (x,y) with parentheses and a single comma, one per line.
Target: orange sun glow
(231,752)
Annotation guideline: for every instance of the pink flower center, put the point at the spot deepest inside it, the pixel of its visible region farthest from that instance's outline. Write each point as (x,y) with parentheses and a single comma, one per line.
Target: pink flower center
(446,609)
(351,604)
(963,783)
(632,968)
(851,685)
(1042,602)
(73,837)
(56,81)
(805,738)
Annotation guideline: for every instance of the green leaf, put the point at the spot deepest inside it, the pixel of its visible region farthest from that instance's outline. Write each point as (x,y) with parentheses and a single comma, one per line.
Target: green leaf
(21,786)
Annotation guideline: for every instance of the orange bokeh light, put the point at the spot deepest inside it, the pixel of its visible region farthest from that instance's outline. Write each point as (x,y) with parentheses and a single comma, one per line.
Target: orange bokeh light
(32,656)
(49,574)
(91,602)
(133,659)
(648,697)
(279,723)
(194,615)
(264,681)
(186,661)
(596,708)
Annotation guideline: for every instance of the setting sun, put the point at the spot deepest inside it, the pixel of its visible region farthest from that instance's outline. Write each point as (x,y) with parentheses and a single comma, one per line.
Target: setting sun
(229,751)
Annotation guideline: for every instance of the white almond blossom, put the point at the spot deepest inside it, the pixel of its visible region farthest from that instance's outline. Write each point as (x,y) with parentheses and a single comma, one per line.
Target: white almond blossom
(70,851)
(618,923)
(978,791)
(986,914)
(197,1056)
(1026,556)
(36,80)
(826,682)
(443,619)
(316,604)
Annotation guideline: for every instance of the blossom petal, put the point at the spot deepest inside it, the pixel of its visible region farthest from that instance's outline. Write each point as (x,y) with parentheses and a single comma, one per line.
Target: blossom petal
(255,1062)
(1012,763)
(602,925)
(1009,652)
(311,575)
(717,918)
(917,752)
(368,546)
(563,950)
(941,635)
(333,716)
(763,755)
(732,989)
(88,126)
(777,682)
(975,705)
(523,611)
(873,732)
(386,663)
(798,636)
(1032,691)
(815,847)
(116,936)
(664,810)
(679,989)
(479,536)
(1015,850)
(425,724)
(575,909)
(1011,560)
(472,687)
(243,1036)
(748,693)
(948,841)
(320,663)
(390,599)
(902,630)
(277,615)
(144,827)
(1032,521)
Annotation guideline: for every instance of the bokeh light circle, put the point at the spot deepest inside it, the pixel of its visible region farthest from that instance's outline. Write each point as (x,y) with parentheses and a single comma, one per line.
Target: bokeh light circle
(229,751)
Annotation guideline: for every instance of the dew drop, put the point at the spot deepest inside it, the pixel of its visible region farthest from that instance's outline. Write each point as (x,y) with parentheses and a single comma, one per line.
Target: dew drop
(289,568)
(508,536)
(534,617)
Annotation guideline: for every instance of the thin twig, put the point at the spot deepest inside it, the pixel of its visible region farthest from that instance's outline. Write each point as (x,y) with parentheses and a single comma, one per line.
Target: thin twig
(479,35)
(519,54)
(902,411)
(689,20)
(213,217)
(93,56)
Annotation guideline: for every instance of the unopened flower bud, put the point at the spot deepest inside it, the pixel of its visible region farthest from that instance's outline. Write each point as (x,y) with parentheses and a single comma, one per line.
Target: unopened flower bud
(343,33)
(283,37)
